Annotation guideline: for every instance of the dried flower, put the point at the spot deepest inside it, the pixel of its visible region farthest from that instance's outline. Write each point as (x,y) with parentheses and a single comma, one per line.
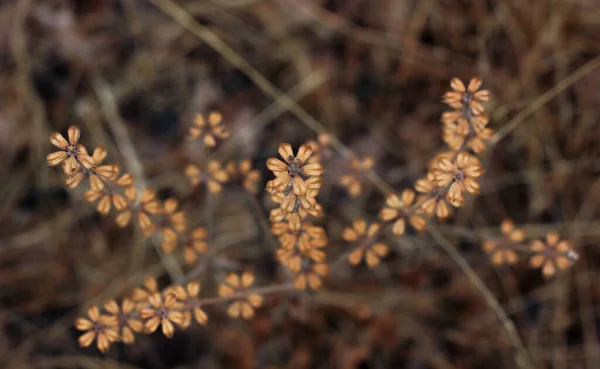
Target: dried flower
(349,181)
(214,178)
(162,311)
(209,132)
(124,217)
(432,201)
(469,96)
(400,208)
(503,251)
(365,235)
(70,151)
(149,204)
(109,195)
(127,321)
(246,302)
(250,177)
(460,176)
(292,169)
(142,294)
(311,277)
(553,255)
(188,297)
(102,328)
(196,245)
(176,222)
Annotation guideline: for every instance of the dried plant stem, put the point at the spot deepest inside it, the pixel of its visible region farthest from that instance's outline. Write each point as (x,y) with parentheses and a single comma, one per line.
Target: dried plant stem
(134,166)
(543,99)
(522,358)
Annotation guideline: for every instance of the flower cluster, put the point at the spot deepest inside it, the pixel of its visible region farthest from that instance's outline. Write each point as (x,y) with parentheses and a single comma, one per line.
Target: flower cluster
(466,125)
(148,309)
(551,256)
(107,186)
(295,188)
(452,174)
(213,174)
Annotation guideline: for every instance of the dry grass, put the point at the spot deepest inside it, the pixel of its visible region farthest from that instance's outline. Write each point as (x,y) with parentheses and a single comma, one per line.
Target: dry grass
(134,73)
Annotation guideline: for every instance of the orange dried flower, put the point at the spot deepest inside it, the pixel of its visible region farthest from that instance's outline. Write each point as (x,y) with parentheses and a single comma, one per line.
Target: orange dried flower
(162,312)
(552,255)
(292,169)
(365,235)
(142,294)
(71,153)
(214,178)
(196,245)
(503,251)
(124,217)
(101,328)
(433,199)
(311,277)
(400,208)
(349,181)
(176,223)
(149,204)
(460,176)
(469,96)
(238,285)
(109,195)
(209,132)
(126,317)
(188,297)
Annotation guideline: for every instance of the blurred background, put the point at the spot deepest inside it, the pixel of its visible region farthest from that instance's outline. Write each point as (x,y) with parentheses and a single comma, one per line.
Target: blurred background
(132,74)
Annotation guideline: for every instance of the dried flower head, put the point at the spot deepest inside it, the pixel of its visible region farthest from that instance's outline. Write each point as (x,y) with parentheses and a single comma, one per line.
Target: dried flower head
(163,311)
(174,224)
(311,276)
(191,304)
(365,236)
(350,181)
(398,209)
(196,245)
(214,178)
(208,131)
(250,177)
(149,204)
(460,176)
(110,195)
(126,316)
(245,302)
(142,294)
(293,170)
(70,152)
(552,255)
(469,96)
(101,328)
(433,198)
(503,251)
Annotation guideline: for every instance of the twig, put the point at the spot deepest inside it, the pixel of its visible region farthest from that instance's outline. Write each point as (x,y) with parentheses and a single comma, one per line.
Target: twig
(522,358)
(133,165)
(544,99)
